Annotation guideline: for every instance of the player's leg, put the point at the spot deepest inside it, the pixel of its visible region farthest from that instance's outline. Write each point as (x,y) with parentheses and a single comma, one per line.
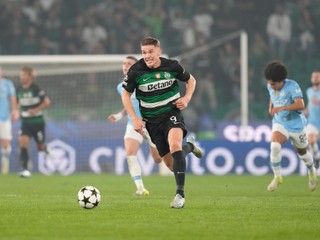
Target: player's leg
(153,148)
(300,143)
(175,137)
(313,133)
(132,143)
(5,137)
(278,138)
(24,155)
(39,135)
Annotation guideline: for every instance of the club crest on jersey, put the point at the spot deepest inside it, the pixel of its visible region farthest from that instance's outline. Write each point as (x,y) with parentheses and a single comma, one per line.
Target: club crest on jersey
(158,75)
(167,75)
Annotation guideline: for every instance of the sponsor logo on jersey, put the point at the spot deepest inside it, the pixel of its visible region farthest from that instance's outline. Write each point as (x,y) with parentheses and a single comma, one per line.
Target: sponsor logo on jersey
(160,85)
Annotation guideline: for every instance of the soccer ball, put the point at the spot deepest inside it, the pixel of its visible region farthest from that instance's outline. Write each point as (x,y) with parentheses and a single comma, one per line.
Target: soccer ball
(89,197)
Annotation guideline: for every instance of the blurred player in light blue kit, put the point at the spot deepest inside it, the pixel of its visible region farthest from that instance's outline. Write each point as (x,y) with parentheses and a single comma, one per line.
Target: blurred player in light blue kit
(8,112)
(313,112)
(133,139)
(286,105)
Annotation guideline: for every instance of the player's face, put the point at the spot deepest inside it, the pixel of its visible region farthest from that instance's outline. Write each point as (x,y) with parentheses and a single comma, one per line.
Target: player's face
(25,78)
(275,85)
(151,55)
(127,63)
(315,80)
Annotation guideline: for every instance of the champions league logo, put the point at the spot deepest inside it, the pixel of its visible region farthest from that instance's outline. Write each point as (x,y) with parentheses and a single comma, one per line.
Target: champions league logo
(61,159)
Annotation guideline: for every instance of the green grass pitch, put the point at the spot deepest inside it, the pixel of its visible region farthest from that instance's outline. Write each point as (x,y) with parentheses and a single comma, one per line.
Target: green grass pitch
(217,207)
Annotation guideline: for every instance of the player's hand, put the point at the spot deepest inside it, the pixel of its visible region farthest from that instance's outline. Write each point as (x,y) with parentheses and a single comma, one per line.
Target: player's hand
(15,115)
(139,125)
(32,111)
(112,118)
(276,110)
(115,117)
(181,103)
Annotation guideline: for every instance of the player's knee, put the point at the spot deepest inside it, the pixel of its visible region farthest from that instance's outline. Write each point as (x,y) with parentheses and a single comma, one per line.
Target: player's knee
(5,144)
(23,141)
(175,147)
(275,148)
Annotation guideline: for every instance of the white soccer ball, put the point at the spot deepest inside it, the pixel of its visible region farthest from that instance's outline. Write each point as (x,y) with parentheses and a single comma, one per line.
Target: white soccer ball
(89,197)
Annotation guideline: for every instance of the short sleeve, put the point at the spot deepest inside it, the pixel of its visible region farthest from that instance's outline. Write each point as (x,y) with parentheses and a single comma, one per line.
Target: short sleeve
(129,82)
(182,74)
(12,91)
(119,88)
(296,91)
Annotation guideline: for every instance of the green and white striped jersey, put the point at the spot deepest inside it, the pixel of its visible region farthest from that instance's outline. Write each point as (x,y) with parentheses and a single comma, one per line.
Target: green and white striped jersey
(28,98)
(156,88)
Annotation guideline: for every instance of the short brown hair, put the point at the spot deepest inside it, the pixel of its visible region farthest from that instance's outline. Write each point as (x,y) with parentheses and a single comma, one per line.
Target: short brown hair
(28,70)
(132,58)
(150,41)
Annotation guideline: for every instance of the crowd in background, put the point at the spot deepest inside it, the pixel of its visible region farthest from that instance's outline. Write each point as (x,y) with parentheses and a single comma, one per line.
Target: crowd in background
(285,30)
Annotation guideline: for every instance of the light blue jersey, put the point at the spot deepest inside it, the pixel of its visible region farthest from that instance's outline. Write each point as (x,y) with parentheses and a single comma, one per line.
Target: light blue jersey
(6,91)
(313,109)
(135,102)
(293,121)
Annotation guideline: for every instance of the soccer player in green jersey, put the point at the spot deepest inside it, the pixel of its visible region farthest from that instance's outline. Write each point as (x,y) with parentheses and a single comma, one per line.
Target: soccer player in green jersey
(155,81)
(32,101)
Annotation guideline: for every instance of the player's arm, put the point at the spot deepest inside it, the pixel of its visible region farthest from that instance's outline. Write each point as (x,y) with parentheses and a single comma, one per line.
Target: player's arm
(190,81)
(183,102)
(270,108)
(306,111)
(42,106)
(117,116)
(14,108)
(138,124)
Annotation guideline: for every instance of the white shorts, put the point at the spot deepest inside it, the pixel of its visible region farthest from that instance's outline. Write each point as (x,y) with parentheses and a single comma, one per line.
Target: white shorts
(312,129)
(133,134)
(6,130)
(298,139)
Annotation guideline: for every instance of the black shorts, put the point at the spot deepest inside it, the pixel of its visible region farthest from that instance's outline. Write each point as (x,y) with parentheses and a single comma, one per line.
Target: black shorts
(160,127)
(34,130)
